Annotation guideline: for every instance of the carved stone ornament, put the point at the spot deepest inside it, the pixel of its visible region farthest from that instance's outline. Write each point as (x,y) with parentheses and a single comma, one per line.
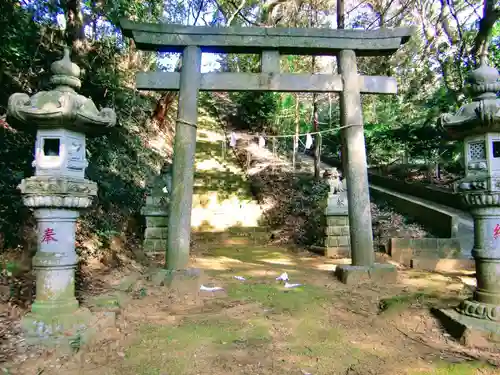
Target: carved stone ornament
(333,180)
(483,113)
(161,185)
(61,107)
(481,199)
(158,193)
(480,310)
(42,191)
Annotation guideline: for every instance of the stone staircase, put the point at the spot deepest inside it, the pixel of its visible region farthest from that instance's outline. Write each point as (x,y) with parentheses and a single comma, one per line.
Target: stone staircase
(223,205)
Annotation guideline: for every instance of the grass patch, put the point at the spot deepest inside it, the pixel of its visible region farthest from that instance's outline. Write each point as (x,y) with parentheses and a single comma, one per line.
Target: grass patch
(405,301)
(280,300)
(321,346)
(186,348)
(463,368)
(314,338)
(252,254)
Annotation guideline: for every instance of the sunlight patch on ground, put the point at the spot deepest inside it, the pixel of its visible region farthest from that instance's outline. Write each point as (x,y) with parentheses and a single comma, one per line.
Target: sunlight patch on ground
(424,283)
(209,165)
(326,267)
(468,280)
(210,135)
(218,263)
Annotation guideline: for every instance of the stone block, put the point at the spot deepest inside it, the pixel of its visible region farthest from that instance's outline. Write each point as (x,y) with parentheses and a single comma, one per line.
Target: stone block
(397,245)
(333,231)
(337,220)
(403,250)
(343,240)
(469,331)
(156,233)
(156,221)
(378,273)
(448,247)
(443,265)
(426,246)
(331,241)
(154,245)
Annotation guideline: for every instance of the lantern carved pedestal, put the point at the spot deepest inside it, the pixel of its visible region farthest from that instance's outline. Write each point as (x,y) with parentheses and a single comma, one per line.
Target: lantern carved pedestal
(57,193)
(478,124)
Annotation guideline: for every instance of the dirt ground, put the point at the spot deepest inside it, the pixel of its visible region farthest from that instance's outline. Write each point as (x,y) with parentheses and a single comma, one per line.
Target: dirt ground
(258,326)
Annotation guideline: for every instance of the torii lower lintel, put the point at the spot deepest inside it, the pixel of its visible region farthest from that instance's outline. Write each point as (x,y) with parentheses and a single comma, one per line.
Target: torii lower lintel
(295,82)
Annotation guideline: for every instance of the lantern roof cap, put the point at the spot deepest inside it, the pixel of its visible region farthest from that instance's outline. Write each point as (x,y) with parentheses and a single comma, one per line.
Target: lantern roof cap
(482,114)
(65,72)
(484,79)
(62,107)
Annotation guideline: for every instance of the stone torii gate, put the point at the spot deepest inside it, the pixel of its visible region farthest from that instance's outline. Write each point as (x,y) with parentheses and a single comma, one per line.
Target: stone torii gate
(191,41)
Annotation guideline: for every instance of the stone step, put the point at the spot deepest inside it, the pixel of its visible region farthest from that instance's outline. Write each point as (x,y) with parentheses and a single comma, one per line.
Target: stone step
(403,250)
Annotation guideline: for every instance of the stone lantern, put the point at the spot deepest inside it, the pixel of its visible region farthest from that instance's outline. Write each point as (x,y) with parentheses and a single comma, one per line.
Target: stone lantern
(58,191)
(478,125)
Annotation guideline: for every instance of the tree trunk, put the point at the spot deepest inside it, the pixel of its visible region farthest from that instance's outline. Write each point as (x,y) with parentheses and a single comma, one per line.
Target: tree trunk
(75,27)
(491,14)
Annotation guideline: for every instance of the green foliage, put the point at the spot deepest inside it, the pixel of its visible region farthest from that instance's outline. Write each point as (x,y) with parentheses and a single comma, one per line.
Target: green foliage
(494,48)
(309,202)
(119,161)
(256,110)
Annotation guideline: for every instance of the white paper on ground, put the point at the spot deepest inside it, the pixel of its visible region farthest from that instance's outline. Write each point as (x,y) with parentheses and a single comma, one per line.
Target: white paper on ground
(282,277)
(288,285)
(210,289)
(241,278)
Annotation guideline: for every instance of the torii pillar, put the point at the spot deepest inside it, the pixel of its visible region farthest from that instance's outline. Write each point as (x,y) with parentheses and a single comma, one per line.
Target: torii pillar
(270,43)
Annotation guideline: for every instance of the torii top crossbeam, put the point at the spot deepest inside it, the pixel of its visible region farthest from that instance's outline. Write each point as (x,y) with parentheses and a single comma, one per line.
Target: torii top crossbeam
(294,41)
(270,43)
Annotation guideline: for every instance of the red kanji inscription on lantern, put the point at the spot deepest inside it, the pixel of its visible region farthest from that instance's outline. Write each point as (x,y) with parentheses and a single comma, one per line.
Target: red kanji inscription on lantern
(49,236)
(496,232)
